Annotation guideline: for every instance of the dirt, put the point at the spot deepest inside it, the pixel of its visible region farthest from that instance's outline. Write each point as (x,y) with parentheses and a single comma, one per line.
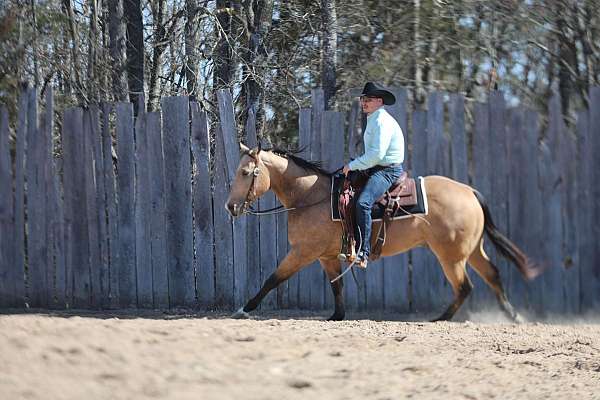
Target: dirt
(292,356)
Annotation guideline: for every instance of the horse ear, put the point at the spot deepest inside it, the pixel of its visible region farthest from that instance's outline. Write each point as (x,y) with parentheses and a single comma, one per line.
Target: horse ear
(244,148)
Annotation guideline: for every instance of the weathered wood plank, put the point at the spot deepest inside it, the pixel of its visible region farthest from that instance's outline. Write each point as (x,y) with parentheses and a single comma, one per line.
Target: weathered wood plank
(498,176)
(7,217)
(590,285)
(90,131)
(375,284)
(229,130)
(315,272)
(460,164)
(176,147)
(268,247)
(594,134)
(532,224)
(143,209)
(53,214)
(550,183)
(228,127)
(519,184)
(19,250)
(111,208)
(333,155)
(305,139)
(158,233)
(396,272)
(101,210)
(428,279)
(354,133)
(224,267)
(46,125)
(567,154)
(36,204)
(202,206)
(420,271)
(126,205)
(283,291)
(253,277)
(78,269)
(481,296)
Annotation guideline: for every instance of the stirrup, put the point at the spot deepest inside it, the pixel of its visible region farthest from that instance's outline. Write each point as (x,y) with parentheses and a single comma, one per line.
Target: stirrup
(362,260)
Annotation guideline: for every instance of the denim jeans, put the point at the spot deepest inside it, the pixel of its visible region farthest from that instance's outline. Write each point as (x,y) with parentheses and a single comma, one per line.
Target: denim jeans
(376,186)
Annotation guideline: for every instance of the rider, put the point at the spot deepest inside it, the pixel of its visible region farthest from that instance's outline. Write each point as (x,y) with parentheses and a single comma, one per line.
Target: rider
(382,160)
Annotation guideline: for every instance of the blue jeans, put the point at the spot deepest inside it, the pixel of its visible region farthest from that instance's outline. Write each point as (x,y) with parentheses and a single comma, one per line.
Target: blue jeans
(376,186)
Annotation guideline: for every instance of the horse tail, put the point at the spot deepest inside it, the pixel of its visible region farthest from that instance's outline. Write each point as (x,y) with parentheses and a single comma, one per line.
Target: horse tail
(505,247)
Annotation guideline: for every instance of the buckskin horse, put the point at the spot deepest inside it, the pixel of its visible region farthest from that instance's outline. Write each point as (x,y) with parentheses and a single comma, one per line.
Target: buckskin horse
(452,229)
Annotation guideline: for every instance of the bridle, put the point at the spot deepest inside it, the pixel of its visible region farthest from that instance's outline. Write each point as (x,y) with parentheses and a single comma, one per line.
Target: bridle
(251,197)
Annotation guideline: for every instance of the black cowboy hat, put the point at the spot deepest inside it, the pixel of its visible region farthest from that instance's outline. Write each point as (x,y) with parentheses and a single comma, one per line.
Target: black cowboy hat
(372,89)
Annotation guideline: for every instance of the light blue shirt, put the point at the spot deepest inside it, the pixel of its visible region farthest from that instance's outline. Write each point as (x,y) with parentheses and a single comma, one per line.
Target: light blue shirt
(384,142)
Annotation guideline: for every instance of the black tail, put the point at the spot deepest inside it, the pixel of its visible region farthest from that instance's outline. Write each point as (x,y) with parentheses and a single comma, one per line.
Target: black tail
(508,249)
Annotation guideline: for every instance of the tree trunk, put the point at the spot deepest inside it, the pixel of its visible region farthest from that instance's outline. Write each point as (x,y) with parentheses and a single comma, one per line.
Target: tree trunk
(118,55)
(258,20)
(160,43)
(328,59)
(93,77)
(191,48)
(76,64)
(223,70)
(135,49)
(419,44)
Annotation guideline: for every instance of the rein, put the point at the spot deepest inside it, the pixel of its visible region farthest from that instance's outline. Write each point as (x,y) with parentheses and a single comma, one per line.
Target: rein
(247,207)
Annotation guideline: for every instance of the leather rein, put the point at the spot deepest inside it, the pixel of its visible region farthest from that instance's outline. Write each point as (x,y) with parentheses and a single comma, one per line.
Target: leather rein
(251,197)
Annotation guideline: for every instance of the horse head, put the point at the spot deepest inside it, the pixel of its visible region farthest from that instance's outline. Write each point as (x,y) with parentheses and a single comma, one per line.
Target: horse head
(251,181)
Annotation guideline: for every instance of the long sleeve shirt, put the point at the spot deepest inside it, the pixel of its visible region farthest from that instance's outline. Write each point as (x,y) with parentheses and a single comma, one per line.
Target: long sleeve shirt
(384,142)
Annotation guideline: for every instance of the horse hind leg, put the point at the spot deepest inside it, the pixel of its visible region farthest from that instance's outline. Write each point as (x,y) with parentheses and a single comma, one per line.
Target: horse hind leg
(489,273)
(461,286)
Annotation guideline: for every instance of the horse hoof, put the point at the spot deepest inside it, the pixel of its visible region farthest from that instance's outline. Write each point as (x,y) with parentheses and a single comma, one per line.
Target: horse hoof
(518,319)
(240,314)
(335,317)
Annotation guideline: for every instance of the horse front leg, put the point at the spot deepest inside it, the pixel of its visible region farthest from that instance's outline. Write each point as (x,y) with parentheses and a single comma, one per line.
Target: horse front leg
(333,269)
(293,262)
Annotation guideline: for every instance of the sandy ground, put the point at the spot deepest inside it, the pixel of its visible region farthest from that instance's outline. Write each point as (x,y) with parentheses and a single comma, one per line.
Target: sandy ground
(286,356)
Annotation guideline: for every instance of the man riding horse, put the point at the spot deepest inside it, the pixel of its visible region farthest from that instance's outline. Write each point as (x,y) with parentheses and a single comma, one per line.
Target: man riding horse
(382,159)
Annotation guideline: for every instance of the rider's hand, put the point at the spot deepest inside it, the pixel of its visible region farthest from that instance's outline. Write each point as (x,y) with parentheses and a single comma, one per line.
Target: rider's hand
(346,169)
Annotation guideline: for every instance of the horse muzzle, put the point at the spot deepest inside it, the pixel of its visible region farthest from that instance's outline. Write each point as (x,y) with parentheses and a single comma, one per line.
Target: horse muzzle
(234,209)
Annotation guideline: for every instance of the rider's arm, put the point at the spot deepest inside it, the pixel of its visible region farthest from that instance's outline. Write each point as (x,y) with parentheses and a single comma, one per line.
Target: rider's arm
(377,141)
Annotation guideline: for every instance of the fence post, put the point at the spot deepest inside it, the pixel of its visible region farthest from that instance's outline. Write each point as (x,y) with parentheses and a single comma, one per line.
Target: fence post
(126,203)
(202,208)
(594,135)
(253,275)
(36,204)
(519,156)
(7,218)
(481,295)
(305,141)
(224,266)
(143,209)
(111,208)
(176,146)
(232,158)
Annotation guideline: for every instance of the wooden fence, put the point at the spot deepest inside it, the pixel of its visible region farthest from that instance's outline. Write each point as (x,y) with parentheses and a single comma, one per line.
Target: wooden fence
(148,228)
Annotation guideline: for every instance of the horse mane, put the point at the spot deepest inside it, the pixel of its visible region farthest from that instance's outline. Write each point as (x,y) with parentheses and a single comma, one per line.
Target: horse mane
(309,165)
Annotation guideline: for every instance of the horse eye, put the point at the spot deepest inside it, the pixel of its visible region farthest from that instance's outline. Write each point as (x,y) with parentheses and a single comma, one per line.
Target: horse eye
(246,172)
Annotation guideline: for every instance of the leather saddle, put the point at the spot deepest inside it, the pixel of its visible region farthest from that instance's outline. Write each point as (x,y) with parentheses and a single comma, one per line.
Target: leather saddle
(403,193)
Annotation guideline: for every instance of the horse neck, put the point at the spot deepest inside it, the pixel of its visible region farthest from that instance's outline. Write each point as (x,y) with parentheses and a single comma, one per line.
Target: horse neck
(293,185)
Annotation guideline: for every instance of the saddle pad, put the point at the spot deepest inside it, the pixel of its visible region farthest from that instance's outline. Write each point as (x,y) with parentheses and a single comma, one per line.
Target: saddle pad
(377,213)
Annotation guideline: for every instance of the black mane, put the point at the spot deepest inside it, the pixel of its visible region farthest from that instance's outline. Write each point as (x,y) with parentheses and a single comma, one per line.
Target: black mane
(315,166)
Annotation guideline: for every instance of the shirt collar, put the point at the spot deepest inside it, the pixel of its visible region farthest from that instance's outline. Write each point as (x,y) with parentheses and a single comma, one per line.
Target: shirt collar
(374,114)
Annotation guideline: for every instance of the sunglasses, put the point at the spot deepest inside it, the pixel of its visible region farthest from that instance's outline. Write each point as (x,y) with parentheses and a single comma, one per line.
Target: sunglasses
(366,99)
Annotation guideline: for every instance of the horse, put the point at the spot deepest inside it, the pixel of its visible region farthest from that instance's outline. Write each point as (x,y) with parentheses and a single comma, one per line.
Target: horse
(453,229)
